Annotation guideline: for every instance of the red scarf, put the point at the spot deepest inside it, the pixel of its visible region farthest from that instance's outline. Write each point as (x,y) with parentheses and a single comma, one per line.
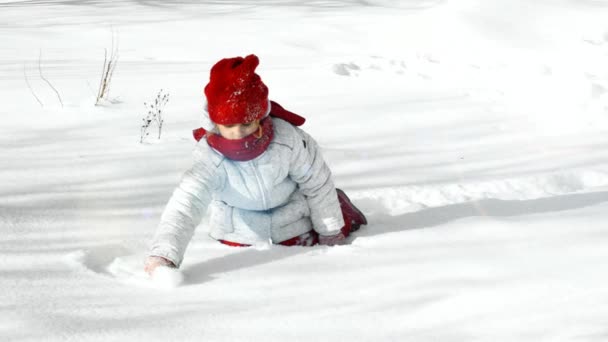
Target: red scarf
(254,144)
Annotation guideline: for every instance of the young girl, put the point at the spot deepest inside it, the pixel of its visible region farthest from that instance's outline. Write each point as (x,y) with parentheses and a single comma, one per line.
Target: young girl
(262,178)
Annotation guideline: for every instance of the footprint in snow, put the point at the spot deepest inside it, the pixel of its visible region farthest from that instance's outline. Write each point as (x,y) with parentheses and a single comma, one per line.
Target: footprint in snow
(344,69)
(376,64)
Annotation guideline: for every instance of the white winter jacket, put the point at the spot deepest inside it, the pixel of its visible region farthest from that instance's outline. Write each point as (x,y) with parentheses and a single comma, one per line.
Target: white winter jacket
(284,192)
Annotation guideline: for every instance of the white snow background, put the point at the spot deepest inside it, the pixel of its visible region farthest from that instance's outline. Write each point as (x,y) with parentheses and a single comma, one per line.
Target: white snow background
(473,134)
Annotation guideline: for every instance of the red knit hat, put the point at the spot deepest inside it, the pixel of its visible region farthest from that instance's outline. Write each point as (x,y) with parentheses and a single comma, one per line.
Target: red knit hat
(235,93)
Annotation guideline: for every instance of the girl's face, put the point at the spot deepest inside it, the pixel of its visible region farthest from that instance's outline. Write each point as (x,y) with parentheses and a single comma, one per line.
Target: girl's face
(238,131)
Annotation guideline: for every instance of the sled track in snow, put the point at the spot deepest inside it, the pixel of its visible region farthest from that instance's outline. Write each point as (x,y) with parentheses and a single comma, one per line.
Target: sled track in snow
(407,199)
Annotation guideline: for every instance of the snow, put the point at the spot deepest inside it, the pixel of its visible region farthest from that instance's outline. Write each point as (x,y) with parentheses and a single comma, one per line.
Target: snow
(473,135)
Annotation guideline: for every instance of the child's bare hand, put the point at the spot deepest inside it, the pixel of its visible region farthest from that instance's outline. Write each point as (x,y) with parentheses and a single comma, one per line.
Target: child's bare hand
(331,240)
(152,262)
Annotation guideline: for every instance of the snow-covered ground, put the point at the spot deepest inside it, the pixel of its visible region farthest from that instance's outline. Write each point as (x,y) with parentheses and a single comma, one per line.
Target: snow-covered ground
(472,133)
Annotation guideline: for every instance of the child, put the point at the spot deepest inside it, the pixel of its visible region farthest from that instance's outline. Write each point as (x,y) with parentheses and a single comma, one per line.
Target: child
(262,178)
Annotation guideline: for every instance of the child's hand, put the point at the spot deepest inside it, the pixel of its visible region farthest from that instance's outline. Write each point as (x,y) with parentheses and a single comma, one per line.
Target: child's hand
(152,262)
(331,240)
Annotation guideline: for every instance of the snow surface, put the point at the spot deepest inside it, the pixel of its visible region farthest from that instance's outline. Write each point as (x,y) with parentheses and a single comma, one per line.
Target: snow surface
(472,133)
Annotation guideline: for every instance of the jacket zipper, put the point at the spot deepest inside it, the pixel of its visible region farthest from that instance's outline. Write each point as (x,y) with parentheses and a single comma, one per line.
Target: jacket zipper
(260,182)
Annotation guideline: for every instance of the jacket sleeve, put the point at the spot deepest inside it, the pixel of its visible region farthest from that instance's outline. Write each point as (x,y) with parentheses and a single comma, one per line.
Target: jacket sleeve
(185,210)
(309,170)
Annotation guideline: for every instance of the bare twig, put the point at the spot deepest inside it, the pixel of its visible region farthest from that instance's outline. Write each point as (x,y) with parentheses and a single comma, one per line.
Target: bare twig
(111,72)
(101,83)
(30,87)
(154,115)
(108,70)
(47,81)
(113,58)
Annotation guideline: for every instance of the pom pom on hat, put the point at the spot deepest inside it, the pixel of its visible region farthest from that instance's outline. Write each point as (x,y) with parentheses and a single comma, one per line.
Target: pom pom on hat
(235,93)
